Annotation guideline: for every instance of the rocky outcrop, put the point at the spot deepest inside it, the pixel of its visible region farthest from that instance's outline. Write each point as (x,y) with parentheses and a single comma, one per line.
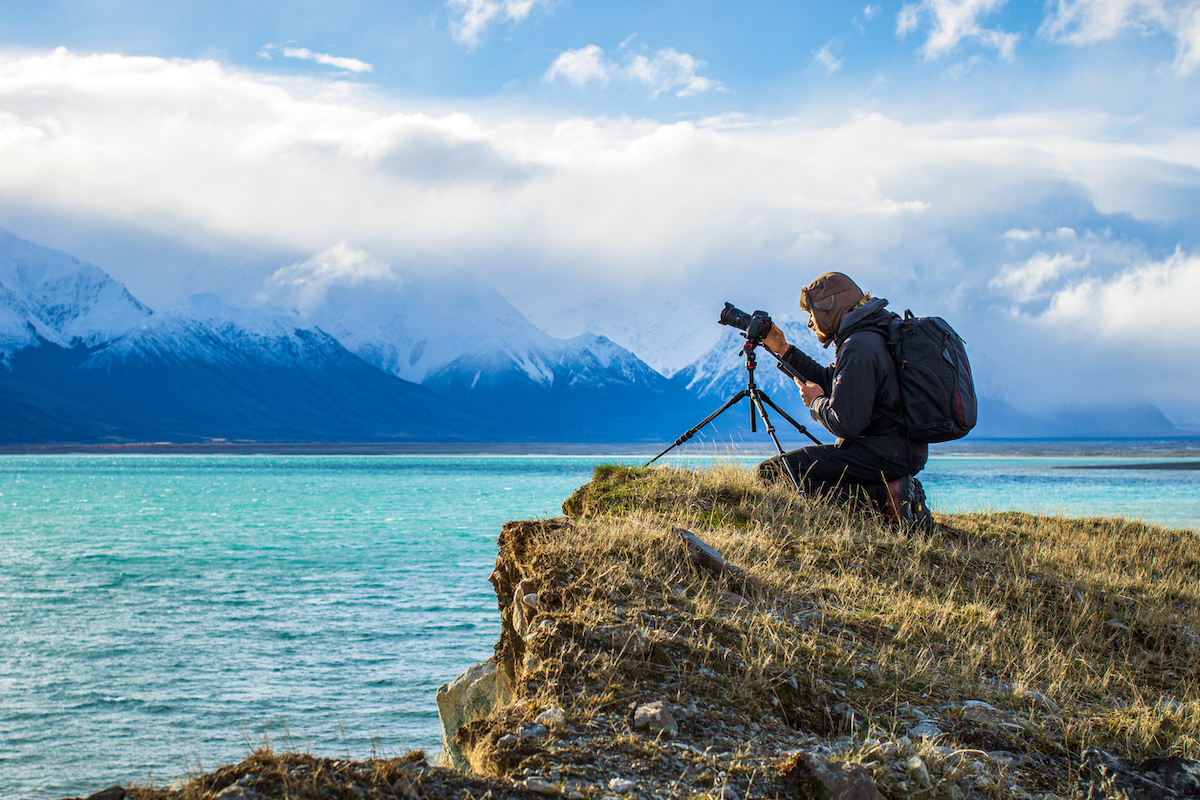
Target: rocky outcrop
(1109,777)
(472,695)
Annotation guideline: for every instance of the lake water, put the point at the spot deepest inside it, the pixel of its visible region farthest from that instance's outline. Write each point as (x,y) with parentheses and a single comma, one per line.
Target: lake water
(159,614)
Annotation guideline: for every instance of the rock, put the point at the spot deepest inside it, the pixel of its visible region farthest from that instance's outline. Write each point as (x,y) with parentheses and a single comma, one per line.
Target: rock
(552,718)
(1169,705)
(985,713)
(471,696)
(926,730)
(1185,635)
(235,792)
(1043,702)
(531,600)
(917,769)
(707,558)
(532,730)
(851,719)
(531,663)
(724,793)
(656,717)
(809,775)
(621,785)
(539,785)
(1118,624)
(1109,776)
(111,793)
(1005,758)
(507,740)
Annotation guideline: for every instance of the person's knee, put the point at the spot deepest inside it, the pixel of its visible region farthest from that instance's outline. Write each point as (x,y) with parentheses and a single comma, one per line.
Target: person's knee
(769,471)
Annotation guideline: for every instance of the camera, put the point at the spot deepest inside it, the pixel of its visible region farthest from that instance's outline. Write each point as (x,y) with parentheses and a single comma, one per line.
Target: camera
(756,325)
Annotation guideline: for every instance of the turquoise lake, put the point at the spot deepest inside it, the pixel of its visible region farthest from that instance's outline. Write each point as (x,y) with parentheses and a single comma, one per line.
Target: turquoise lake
(160,614)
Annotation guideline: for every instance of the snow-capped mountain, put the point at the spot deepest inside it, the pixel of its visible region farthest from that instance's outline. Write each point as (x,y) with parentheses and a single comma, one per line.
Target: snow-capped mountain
(721,371)
(465,341)
(207,367)
(47,295)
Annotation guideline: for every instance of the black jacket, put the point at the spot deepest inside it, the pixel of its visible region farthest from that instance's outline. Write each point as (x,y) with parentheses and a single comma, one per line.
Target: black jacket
(862,389)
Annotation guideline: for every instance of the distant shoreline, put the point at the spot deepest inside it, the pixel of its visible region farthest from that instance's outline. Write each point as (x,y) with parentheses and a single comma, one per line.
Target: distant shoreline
(1121,448)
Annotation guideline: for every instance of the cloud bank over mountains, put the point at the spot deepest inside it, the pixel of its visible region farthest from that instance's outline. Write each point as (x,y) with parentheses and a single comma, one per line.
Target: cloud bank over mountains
(1058,243)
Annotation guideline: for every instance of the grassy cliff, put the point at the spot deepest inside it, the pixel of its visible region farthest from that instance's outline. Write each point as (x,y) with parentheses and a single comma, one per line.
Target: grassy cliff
(981,660)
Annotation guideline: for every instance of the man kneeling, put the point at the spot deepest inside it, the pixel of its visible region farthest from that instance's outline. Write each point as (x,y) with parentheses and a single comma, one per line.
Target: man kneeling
(857,399)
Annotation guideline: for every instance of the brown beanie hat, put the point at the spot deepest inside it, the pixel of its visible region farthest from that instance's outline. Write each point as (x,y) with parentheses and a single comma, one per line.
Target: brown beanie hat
(828,299)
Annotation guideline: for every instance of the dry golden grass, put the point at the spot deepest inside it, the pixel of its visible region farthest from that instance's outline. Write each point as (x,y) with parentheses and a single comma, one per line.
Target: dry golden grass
(1081,631)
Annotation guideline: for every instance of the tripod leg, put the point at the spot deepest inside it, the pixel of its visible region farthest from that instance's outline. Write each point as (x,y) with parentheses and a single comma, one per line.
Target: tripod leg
(689,434)
(785,415)
(756,401)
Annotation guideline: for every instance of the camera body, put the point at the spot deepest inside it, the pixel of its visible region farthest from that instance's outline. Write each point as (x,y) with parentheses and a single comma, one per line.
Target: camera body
(756,325)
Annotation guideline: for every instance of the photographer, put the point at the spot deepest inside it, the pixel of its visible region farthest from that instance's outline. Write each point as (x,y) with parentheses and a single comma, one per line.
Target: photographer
(857,399)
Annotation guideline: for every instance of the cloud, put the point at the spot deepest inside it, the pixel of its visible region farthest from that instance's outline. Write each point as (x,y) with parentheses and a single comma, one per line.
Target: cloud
(668,70)
(348,64)
(826,58)
(953,21)
(582,67)
(1085,22)
(474,16)
(1025,281)
(1008,227)
(305,284)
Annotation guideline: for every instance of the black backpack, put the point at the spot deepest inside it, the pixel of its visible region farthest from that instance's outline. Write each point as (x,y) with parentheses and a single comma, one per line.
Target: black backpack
(936,389)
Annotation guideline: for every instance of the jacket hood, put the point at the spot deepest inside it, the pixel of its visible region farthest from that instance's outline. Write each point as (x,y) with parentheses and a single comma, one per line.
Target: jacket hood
(827,300)
(864,317)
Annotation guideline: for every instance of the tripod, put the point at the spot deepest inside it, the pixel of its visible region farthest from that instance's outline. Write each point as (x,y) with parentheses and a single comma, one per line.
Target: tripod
(758,403)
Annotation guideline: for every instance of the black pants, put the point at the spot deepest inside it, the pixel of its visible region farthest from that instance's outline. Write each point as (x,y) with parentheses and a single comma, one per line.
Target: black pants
(841,471)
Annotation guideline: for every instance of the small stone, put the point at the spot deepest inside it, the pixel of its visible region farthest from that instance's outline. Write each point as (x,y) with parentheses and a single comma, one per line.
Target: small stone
(1118,624)
(234,792)
(539,785)
(575,794)
(705,672)
(656,717)
(621,785)
(917,769)
(1042,701)
(506,740)
(552,718)
(850,718)
(1014,727)
(531,662)
(925,730)
(531,600)
(725,793)
(1004,758)
(532,731)
(1169,705)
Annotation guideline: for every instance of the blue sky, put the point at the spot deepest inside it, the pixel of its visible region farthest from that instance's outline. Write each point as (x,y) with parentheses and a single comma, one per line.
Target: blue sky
(1030,171)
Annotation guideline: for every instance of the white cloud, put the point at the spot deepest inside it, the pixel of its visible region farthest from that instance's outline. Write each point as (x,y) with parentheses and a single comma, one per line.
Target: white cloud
(1085,22)
(474,16)
(1155,299)
(581,67)
(871,12)
(953,21)
(349,64)
(1026,281)
(304,285)
(668,70)
(827,59)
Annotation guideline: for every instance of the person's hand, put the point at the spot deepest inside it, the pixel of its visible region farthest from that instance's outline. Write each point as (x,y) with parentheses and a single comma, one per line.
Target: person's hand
(809,391)
(775,340)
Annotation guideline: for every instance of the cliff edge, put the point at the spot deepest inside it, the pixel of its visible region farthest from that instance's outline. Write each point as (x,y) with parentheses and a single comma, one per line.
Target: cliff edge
(694,634)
